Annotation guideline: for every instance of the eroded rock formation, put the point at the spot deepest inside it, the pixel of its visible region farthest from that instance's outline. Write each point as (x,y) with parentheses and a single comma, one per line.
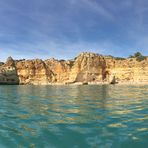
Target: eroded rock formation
(8,72)
(86,68)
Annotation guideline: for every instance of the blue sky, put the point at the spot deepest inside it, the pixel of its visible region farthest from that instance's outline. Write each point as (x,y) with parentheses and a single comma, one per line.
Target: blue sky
(64,28)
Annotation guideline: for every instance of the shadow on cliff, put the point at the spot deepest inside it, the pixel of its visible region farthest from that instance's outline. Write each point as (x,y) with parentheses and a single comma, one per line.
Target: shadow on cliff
(8,73)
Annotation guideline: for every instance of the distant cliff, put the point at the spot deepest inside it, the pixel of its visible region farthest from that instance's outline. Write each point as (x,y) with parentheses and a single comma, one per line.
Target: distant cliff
(85,68)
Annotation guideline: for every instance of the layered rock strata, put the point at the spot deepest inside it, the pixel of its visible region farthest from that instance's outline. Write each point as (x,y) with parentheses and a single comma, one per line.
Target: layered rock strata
(85,68)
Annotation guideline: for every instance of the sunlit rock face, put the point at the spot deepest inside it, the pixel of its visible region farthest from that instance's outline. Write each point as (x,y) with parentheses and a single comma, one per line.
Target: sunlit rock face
(128,70)
(89,67)
(85,68)
(32,72)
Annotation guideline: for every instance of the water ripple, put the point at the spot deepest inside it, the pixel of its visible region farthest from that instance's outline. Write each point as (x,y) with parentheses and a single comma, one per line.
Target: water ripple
(107,116)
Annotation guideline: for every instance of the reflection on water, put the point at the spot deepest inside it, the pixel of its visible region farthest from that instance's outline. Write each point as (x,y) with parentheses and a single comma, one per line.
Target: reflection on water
(107,116)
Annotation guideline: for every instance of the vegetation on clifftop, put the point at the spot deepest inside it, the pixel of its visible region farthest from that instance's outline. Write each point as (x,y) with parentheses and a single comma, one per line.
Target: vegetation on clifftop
(139,57)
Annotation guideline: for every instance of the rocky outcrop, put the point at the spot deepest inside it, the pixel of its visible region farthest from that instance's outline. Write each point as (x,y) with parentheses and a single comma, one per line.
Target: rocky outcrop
(32,72)
(8,72)
(86,68)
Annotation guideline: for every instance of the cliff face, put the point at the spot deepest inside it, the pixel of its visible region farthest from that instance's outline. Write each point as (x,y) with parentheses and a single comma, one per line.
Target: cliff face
(8,72)
(87,67)
(128,70)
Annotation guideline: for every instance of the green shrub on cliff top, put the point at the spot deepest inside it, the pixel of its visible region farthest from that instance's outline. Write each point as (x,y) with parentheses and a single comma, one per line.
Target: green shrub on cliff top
(139,57)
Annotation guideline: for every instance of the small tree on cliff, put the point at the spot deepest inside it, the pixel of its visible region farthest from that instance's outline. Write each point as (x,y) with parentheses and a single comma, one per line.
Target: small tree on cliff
(138,54)
(139,57)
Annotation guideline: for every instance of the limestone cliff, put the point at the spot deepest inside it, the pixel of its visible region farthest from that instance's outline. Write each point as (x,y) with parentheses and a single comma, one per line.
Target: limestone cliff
(86,68)
(8,72)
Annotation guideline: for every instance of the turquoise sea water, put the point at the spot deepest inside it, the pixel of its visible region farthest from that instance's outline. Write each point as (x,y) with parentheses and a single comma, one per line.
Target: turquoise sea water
(107,116)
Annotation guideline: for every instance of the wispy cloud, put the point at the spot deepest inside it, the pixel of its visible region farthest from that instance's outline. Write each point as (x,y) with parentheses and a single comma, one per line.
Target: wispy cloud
(62,29)
(98,8)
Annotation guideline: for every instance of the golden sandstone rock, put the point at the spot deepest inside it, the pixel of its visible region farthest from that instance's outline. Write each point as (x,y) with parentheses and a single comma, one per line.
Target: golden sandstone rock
(86,68)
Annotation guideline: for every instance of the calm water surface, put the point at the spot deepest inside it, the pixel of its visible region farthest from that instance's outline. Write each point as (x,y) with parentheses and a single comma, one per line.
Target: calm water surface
(104,116)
